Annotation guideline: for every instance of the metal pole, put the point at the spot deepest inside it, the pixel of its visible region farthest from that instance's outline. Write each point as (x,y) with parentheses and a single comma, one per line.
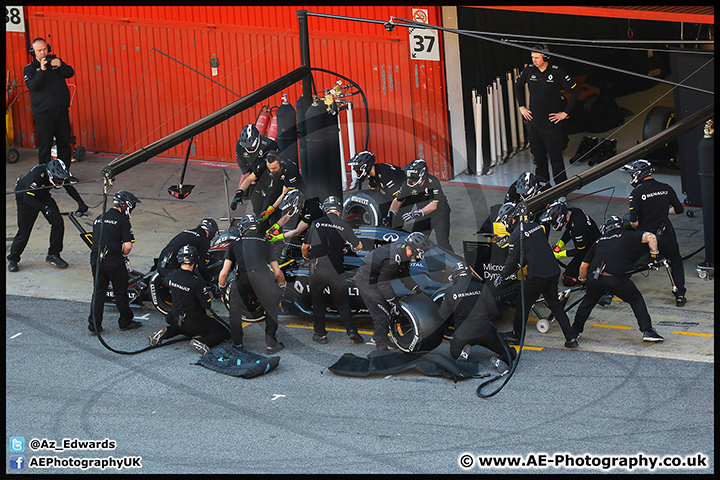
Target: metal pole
(511,111)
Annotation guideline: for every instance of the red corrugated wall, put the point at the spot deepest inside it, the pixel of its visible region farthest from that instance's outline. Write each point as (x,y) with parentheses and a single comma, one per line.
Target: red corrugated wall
(130,93)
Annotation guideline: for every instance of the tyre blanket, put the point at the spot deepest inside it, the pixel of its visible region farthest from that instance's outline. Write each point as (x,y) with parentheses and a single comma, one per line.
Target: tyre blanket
(238,362)
(389,362)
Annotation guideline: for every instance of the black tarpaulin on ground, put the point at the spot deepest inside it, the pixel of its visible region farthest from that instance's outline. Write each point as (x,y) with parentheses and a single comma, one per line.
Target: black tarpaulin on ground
(392,361)
(238,362)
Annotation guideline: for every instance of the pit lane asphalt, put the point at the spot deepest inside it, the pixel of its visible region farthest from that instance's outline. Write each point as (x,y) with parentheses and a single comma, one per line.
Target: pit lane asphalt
(614,395)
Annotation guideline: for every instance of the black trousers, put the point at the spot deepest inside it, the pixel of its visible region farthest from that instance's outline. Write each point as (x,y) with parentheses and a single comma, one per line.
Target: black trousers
(379,310)
(623,288)
(26,216)
(439,221)
(548,142)
(53,124)
(268,293)
(111,270)
(572,271)
(211,331)
(487,336)
(323,277)
(547,287)
(668,247)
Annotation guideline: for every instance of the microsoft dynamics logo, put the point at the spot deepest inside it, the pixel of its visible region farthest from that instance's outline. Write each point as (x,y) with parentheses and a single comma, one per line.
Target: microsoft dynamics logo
(17,462)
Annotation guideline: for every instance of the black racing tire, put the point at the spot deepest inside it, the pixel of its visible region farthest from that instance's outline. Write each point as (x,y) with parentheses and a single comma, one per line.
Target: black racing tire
(365,206)
(659,119)
(12,155)
(256,312)
(160,296)
(419,327)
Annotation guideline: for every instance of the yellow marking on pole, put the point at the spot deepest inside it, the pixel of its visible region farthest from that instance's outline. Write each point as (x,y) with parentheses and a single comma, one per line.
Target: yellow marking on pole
(693,333)
(619,327)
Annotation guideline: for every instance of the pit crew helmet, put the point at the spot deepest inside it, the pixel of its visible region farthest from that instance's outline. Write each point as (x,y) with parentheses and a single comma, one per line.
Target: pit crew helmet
(210,225)
(249,224)
(332,203)
(418,244)
(639,170)
(250,137)
(292,203)
(188,254)
(126,201)
(362,163)
(57,172)
(460,269)
(555,215)
(505,216)
(611,223)
(416,172)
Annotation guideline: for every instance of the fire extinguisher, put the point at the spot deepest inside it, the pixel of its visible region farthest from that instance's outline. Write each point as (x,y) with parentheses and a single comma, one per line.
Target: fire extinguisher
(273,129)
(262,120)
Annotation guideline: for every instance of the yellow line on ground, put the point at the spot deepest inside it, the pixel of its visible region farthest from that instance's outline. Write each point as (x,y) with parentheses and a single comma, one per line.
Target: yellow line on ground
(619,327)
(329,329)
(694,334)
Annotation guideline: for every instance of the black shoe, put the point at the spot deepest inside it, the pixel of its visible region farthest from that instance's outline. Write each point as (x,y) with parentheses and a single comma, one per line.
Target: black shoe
(511,337)
(572,343)
(651,335)
(499,365)
(91,327)
(12,266)
(199,346)
(587,143)
(56,260)
(680,301)
(322,339)
(130,326)
(355,337)
(606,149)
(275,348)
(465,354)
(605,300)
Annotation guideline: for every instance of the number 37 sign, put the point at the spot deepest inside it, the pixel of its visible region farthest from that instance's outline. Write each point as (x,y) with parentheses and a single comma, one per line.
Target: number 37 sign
(423,42)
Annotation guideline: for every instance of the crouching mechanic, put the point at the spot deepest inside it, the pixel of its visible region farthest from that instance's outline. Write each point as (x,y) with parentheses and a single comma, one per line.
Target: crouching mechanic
(471,306)
(250,255)
(579,228)
(32,197)
(324,248)
(293,203)
(199,238)
(373,281)
(543,272)
(190,300)
(608,262)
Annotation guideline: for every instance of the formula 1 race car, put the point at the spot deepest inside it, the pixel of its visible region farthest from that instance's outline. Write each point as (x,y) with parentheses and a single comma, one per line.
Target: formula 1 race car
(418,327)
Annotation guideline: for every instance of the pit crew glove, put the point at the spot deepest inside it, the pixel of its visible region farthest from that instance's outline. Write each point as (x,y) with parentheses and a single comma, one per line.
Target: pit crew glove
(394,306)
(498,280)
(559,244)
(411,215)
(82,208)
(266,214)
(560,253)
(388,219)
(237,199)
(279,237)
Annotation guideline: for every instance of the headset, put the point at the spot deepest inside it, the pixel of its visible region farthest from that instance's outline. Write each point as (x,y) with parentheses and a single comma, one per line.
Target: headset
(31,51)
(545,50)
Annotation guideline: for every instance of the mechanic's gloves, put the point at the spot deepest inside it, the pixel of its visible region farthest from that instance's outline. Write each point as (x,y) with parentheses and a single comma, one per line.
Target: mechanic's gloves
(237,199)
(216,290)
(411,215)
(266,214)
(498,280)
(394,306)
(560,253)
(388,219)
(274,234)
(559,245)
(82,208)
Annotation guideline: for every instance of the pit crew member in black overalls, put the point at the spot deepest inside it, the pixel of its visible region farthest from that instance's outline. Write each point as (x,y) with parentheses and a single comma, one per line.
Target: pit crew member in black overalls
(373,278)
(472,306)
(324,247)
(293,203)
(250,255)
(250,152)
(425,192)
(199,238)
(34,197)
(190,300)
(110,250)
(382,177)
(543,272)
(526,185)
(606,267)
(579,228)
(650,203)
(548,108)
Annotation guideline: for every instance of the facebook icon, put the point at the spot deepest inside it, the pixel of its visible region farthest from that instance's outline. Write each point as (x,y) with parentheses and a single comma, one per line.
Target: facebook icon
(17,462)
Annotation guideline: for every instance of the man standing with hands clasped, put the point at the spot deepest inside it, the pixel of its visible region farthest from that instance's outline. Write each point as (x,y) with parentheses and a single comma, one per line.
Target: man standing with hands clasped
(50,99)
